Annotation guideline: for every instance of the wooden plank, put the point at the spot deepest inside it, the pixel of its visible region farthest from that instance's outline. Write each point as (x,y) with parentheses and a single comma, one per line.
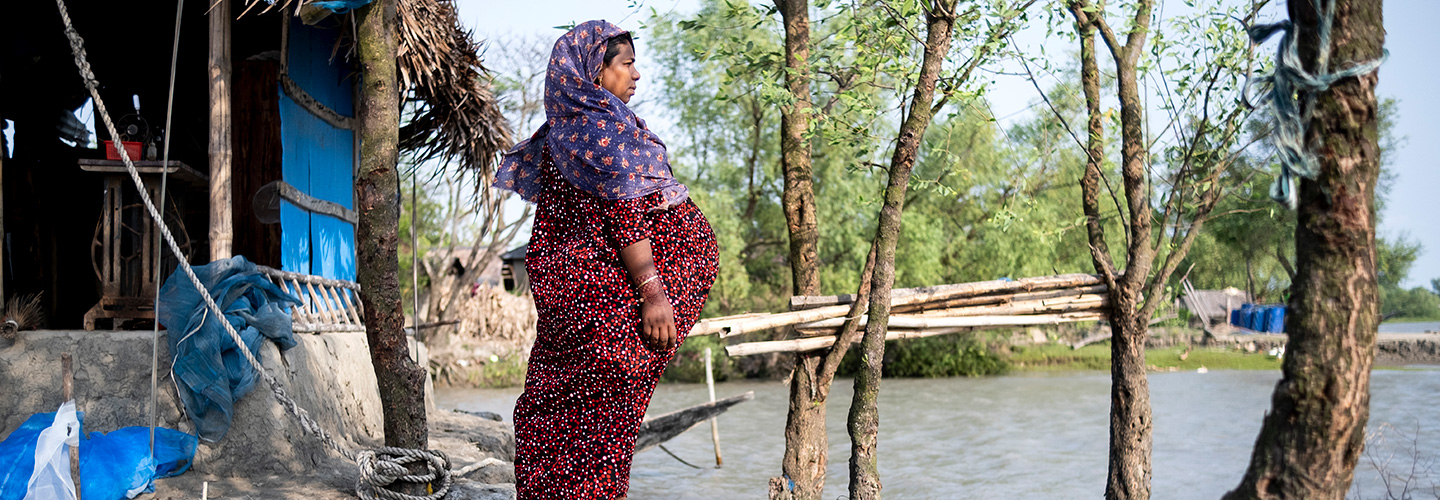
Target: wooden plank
(312,204)
(220,133)
(178,171)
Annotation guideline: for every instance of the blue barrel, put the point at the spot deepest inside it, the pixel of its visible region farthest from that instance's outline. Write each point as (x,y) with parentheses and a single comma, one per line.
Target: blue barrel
(1275,319)
(1242,315)
(1256,318)
(1235,317)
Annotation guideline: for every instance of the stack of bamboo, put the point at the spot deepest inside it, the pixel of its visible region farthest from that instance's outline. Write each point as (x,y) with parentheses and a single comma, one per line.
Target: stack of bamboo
(925,312)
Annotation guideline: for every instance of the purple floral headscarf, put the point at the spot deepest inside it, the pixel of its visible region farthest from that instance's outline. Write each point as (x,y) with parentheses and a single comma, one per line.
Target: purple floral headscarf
(596,142)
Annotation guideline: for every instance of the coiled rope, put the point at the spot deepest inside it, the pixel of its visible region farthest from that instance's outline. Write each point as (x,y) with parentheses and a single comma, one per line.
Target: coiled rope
(378,468)
(1292,95)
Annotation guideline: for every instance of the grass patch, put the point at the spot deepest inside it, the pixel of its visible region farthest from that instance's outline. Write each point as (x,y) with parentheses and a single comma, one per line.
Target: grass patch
(1056,357)
(1412,319)
(504,372)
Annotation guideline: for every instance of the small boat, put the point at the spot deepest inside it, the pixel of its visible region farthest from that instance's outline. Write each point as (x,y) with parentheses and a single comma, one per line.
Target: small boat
(659,429)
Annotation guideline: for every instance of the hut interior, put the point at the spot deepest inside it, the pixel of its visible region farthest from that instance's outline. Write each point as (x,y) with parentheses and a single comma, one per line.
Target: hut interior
(54,220)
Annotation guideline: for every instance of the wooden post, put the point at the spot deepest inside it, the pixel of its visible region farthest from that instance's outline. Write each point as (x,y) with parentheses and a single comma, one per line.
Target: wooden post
(67,385)
(3,150)
(714,428)
(220,148)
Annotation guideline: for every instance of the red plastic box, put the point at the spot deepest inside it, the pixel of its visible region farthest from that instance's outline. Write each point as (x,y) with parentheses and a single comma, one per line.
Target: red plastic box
(131,148)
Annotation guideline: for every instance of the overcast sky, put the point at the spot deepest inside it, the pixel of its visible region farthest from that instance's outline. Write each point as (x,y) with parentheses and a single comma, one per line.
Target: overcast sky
(1410,76)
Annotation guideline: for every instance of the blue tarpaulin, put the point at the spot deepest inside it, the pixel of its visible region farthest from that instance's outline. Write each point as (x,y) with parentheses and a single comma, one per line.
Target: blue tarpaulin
(340,6)
(210,371)
(112,466)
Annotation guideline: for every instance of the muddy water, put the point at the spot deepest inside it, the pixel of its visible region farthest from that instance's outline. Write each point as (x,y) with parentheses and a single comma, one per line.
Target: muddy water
(1024,436)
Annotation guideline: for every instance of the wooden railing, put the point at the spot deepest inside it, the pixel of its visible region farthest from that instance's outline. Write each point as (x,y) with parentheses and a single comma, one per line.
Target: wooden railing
(327,305)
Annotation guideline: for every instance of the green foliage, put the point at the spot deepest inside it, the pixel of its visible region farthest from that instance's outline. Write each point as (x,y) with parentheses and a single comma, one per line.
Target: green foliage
(1415,304)
(688,365)
(1393,260)
(932,357)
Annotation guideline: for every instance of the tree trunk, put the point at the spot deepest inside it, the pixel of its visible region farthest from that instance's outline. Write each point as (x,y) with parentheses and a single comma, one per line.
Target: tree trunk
(864,418)
(1130,418)
(799,196)
(806,443)
(377,195)
(1313,436)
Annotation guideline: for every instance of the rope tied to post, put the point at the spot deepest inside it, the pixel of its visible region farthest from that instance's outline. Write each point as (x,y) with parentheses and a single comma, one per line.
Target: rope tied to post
(1292,94)
(378,468)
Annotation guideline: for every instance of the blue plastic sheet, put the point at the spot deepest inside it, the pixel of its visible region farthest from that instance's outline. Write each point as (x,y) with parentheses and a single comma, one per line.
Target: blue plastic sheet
(210,370)
(112,466)
(340,6)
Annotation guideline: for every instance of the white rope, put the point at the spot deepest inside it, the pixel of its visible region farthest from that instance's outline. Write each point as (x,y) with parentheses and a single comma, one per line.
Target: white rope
(378,468)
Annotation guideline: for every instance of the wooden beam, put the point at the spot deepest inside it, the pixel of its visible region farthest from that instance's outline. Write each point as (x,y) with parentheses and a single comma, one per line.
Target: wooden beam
(312,204)
(221,233)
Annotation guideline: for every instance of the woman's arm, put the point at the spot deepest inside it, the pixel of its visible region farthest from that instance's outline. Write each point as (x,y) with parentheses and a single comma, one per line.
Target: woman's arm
(657,317)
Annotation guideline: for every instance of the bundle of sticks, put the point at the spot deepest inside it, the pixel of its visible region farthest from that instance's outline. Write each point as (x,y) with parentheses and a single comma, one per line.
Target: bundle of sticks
(925,312)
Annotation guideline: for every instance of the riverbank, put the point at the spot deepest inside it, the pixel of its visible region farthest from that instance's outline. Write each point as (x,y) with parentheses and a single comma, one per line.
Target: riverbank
(990,353)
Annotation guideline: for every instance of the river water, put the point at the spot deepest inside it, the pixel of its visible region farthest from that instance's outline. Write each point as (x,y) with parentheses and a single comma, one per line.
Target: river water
(1417,327)
(1040,436)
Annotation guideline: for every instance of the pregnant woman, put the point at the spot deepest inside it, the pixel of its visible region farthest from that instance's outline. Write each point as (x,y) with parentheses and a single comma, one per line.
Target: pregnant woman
(620,261)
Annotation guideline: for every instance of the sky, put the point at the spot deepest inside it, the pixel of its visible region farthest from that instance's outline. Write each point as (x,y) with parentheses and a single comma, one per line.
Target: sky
(1409,76)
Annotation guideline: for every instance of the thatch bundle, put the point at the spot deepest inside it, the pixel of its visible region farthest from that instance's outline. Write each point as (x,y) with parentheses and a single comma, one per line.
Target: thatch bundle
(491,321)
(456,117)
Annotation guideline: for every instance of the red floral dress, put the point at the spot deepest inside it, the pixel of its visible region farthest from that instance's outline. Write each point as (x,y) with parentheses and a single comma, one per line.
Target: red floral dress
(590,375)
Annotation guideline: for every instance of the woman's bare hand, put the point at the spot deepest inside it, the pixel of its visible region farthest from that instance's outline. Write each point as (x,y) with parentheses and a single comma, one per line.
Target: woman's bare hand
(657,323)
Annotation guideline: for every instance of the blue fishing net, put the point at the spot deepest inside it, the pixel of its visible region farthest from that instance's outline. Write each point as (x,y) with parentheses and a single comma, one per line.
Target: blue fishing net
(209,369)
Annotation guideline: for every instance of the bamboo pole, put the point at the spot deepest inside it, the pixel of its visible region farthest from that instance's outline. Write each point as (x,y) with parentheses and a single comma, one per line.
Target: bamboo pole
(736,326)
(1001,299)
(800,302)
(1082,303)
(220,147)
(714,427)
(927,327)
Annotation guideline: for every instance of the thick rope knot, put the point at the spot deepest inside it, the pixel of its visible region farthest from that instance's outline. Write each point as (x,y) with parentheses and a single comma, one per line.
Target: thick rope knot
(1291,98)
(385,466)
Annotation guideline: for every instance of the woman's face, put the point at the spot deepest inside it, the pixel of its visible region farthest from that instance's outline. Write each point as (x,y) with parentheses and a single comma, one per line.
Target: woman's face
(620,75)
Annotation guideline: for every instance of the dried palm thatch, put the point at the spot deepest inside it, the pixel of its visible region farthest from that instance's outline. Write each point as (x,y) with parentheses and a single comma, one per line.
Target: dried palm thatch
(454,116)
(21,313)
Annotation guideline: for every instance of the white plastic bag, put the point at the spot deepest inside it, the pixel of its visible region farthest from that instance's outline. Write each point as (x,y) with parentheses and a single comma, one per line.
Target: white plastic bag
(51,478)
